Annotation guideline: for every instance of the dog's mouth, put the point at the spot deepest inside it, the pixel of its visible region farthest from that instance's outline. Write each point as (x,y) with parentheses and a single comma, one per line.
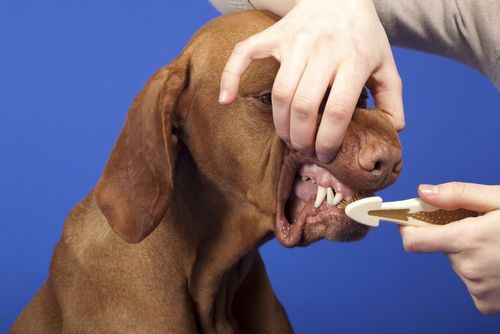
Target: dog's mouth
(311,202)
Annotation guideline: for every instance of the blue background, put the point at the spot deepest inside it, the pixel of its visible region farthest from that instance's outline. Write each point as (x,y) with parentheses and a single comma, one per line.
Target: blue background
(68,72)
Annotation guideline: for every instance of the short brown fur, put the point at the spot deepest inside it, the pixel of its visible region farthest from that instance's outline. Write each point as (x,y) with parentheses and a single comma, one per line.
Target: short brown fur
(168,240)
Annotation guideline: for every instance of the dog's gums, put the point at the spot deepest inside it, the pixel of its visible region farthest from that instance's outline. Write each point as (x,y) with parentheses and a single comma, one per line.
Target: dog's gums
(302,191)
(312,179)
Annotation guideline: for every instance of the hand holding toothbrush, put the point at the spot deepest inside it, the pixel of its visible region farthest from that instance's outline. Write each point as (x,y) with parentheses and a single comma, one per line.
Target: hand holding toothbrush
(471,244)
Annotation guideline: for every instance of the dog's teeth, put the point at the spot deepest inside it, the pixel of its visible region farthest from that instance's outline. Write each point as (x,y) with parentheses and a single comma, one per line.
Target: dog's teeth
(337,198)
(313,181)
(320,197)
(329,196)
(304,178)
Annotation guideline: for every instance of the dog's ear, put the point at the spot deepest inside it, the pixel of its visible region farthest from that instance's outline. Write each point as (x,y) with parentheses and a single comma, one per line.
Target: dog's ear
(136,186)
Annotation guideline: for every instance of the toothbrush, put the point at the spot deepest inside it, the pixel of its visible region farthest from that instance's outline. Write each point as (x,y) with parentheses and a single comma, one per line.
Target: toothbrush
(413,212)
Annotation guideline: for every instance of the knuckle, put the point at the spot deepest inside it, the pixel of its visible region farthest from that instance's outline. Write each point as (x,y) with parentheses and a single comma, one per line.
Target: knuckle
(361,61)
(486,307)
(469,272)
(397,81)
(300,145)
(393,80)
(282,93)
(362,52)
(409,245)
(475,237)
(458,190)
(323,145)
(470,239)
(358,70)
(303,108)
(339,112)
(283,134)
(328,38)
(479,290)
(241,47)
(463,245)
(389,80)
(302,37)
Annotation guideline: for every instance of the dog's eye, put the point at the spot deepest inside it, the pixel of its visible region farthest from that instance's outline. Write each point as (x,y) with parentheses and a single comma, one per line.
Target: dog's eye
(266,99)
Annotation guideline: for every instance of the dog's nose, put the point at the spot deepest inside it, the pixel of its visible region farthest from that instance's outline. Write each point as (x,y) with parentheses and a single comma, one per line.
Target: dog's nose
(382,160)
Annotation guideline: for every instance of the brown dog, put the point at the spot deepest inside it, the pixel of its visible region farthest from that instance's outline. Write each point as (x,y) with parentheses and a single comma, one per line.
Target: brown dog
(168,240)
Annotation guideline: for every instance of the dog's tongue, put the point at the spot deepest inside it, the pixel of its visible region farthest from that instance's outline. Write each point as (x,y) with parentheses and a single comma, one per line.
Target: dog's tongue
(301,203)
(299,209)
(313,199)
(304,190)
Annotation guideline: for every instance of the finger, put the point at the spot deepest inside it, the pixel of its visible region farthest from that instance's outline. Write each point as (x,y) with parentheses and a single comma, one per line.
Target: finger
(387,91)
(255,47)
(306,103)
(488,307)
(433,239)
(467,268)
(284,87)
(454,195)
(471,285)
(344,95)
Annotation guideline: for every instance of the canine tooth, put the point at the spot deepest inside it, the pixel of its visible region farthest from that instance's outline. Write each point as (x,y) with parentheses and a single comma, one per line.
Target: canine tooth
(320,197)
(304,178)
(329,196)
(337,198)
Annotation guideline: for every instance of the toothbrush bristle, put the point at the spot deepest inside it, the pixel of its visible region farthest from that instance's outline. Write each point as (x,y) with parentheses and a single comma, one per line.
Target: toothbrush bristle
(343,203)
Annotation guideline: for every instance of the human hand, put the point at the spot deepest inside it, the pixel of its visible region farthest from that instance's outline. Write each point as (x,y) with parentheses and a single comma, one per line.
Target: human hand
(321,43)
(472,244)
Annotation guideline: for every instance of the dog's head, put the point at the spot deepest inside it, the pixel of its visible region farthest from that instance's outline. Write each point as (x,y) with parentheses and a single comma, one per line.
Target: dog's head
(236,147)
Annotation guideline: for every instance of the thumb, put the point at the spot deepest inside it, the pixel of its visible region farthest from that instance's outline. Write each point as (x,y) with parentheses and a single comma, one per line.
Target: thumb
(455,195)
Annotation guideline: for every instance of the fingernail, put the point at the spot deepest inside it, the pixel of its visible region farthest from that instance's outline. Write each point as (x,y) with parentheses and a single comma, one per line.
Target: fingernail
(428,189)
(324,158)
(223,96)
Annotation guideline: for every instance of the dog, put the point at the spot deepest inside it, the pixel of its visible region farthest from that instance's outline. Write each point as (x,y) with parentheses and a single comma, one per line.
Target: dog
(167,241)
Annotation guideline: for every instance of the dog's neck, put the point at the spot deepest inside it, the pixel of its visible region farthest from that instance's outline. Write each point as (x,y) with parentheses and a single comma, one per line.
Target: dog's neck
(223,235)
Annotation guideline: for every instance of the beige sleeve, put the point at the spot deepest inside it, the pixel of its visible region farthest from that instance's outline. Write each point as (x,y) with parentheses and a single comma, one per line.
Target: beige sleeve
(225,6)
(464,30)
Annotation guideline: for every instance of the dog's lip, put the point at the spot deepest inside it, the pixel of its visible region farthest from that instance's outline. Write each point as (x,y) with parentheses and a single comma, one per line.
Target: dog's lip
(290,235)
